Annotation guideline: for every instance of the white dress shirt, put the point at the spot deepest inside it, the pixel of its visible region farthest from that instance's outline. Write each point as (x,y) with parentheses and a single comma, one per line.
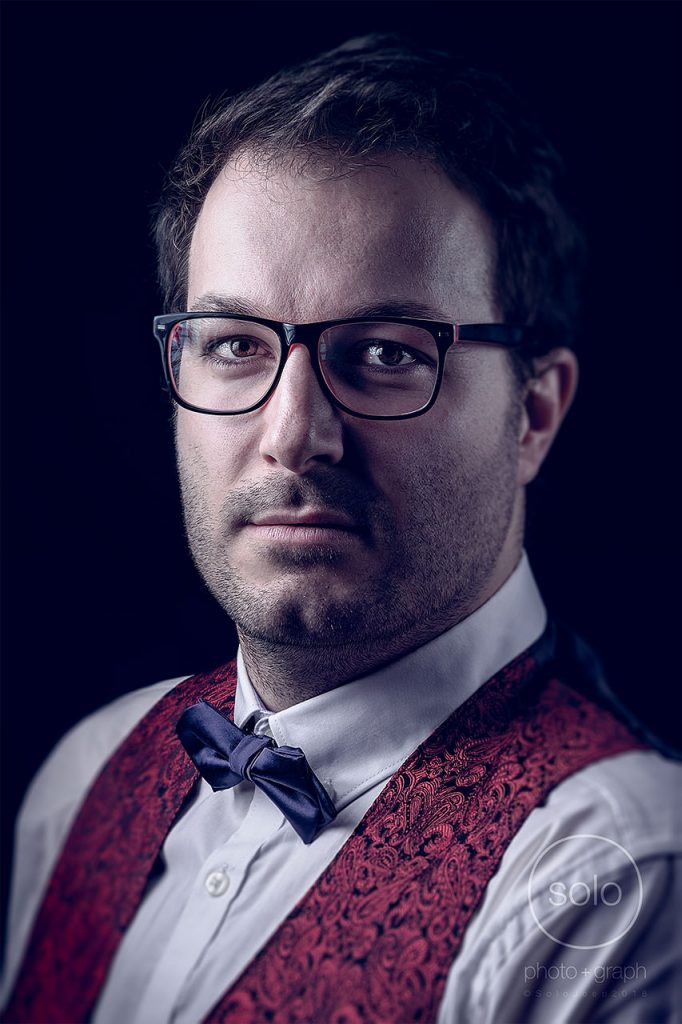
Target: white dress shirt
(233,867)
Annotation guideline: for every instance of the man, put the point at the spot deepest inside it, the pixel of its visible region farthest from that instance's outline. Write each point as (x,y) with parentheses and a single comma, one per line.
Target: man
(372,282)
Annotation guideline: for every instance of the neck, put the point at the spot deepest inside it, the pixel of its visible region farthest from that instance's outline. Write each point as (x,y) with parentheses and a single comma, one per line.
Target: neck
(286,674)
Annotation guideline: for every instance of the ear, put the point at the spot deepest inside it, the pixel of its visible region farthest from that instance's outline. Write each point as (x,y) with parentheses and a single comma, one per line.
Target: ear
(547,398)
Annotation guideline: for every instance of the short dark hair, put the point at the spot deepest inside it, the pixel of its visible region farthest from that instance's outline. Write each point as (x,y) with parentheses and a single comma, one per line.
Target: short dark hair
(380,95)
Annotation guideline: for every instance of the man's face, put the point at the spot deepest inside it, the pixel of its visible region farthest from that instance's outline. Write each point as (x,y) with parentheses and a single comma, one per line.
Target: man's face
(311,526)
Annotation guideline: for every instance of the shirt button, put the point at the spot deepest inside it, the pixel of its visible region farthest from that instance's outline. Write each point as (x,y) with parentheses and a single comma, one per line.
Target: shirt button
(217,883)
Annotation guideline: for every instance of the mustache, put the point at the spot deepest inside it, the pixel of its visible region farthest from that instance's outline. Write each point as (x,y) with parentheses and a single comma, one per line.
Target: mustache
(321,488)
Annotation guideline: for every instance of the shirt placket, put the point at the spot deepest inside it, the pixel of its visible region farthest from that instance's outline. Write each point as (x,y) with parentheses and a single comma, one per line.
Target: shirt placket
(215,891)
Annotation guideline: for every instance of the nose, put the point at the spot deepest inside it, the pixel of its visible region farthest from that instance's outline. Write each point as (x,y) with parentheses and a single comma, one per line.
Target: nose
(301,427)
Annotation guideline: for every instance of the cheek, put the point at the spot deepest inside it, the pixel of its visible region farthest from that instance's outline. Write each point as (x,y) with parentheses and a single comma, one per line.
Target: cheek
(402,459)
(210,452)
(477,404)
(417,463)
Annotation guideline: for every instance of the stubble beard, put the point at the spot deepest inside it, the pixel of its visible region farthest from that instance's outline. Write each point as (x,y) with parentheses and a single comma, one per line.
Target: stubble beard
(428,573)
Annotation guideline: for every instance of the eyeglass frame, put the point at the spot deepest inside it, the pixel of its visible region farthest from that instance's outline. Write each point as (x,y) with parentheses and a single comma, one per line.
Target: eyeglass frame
(445,336)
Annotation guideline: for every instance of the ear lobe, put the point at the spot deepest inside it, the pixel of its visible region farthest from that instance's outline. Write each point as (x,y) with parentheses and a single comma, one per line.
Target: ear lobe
(547,399)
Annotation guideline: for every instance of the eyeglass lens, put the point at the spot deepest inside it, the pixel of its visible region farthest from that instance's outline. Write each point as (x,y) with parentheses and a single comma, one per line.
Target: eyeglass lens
(377,369)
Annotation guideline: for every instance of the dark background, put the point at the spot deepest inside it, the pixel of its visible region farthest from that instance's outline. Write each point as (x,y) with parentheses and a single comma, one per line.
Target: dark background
(99,594)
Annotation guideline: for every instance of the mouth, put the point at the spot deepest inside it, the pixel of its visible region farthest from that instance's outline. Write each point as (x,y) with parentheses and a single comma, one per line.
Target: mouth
(301,526)
(313,517)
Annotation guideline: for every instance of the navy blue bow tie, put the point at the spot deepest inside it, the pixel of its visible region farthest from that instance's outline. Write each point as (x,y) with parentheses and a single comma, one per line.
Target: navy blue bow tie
(225,755)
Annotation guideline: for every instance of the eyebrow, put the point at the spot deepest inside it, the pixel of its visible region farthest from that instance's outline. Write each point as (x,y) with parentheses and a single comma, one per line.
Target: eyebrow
(213,302)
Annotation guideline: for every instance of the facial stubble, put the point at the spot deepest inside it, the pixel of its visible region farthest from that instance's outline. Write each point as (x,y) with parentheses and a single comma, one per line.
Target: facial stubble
(428,564)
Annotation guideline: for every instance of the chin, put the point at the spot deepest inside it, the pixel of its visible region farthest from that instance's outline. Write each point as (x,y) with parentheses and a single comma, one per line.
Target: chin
(300,610)
(300,624)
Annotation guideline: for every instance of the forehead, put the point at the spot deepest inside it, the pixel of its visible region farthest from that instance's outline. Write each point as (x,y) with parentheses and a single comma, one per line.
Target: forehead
(299,247)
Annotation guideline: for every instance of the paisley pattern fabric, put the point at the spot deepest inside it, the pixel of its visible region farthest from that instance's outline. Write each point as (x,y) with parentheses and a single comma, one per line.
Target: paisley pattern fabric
(373,940)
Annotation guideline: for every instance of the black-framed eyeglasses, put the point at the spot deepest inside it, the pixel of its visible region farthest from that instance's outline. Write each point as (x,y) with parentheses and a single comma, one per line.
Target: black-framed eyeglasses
(377,368)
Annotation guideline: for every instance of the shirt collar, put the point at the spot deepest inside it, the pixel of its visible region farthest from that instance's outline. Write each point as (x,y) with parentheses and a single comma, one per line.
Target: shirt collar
(358,734)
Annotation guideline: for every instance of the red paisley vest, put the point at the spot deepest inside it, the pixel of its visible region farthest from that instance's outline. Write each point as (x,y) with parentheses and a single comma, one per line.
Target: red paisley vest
(374,938)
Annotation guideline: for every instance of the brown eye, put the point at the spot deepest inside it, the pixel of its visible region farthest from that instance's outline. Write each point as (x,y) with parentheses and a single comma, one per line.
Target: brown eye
(238,347)
(391,354)
(387,353)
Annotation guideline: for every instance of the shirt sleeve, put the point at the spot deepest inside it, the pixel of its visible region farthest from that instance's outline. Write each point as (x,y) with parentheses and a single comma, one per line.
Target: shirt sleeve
(50,806)
(526,976)
(581,921)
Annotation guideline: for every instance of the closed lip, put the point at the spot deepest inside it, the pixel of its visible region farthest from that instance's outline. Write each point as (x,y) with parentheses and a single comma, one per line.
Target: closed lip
(301,517)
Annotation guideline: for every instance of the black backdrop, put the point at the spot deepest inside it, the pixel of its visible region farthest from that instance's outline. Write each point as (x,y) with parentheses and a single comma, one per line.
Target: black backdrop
(99,593)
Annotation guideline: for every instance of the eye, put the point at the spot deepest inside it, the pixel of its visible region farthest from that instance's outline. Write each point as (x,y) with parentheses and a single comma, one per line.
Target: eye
(235,348)
(387,353)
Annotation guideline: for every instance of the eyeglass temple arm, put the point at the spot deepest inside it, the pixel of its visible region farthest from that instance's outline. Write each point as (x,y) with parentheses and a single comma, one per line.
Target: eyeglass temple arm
(495,334)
